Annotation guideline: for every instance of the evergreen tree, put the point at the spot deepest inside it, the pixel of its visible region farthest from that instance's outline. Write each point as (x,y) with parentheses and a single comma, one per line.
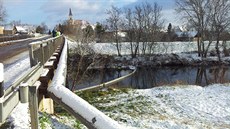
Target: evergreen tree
(169,31)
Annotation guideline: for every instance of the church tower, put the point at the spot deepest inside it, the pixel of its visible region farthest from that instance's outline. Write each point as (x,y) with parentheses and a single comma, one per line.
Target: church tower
(70,20)
(70,14)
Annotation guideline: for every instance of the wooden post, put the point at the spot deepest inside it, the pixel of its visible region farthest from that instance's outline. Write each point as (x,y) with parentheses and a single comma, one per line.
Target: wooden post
(1,80)
(33,105)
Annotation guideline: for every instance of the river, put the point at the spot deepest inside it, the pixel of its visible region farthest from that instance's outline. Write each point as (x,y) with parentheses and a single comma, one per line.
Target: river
(148,77)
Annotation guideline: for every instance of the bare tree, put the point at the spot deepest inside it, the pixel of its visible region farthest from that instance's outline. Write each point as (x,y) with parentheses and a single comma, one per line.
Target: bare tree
(80,60)
(129,27)
(114,21)
(82,57)
(2,12)
(143,25)
(197,13)
(210,18)
(155,26)
(220,20)
(69,30)
(43,28)
(87,34)
(138,25)
(16,23)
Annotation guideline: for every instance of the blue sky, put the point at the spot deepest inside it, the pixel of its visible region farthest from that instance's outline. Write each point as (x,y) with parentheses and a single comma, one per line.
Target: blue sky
(55,11)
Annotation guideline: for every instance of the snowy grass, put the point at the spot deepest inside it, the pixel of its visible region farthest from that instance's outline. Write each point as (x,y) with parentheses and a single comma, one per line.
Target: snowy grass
(60,120)
(168,107)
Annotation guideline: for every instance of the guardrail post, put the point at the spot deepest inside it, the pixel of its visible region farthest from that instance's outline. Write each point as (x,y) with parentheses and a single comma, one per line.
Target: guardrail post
(33,105)
(48,48)
(1,80)
(31,53)
(23,92)
(42,54)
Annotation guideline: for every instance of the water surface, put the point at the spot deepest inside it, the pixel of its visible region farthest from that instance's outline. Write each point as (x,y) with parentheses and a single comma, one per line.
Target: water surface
(148,77)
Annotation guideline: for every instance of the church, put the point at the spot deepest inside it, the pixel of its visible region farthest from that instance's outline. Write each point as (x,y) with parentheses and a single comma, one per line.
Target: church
(76,23)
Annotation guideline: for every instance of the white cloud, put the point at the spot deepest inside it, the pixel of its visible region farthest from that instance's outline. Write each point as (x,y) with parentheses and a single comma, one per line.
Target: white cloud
(62,5)
(92,10)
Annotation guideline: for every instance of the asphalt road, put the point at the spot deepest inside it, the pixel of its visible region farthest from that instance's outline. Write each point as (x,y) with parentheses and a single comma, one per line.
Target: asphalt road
(15,48)
(15,58)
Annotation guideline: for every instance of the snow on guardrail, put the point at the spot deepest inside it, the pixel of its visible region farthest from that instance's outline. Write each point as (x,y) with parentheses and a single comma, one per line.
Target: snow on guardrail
(1,80)
(1,72)
(78,107)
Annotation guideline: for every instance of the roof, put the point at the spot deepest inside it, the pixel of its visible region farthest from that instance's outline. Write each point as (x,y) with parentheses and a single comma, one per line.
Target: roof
(8,27)
(20,29)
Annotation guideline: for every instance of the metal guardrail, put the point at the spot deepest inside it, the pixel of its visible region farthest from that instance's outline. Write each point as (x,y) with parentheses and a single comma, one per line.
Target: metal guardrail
(41,51)
(109,83)
(4,38)
(1,80)
(11,96)
(18,91)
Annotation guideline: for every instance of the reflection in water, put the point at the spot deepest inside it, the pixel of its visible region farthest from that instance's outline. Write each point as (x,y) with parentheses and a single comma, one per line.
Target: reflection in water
(149,77)
(100,76)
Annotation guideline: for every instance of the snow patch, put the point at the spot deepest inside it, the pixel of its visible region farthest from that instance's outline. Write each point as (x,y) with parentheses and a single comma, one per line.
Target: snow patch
(15,70)
(20,118)
(173,107)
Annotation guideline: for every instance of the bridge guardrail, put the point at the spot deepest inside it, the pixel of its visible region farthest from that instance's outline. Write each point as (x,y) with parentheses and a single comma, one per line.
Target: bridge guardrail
(18,91)
(1,80)
(11,96)
(4,38)
(41,51)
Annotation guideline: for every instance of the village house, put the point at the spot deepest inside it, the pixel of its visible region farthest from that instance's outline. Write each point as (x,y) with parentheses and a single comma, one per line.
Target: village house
(9,30)
(20,30)
(184,34)
(1,30)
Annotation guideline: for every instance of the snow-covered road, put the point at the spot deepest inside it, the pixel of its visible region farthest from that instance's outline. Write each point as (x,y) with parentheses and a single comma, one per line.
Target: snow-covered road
(15,67)
(15,58)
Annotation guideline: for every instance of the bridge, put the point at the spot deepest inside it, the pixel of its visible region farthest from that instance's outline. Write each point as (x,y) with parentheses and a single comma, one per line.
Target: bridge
(44,83)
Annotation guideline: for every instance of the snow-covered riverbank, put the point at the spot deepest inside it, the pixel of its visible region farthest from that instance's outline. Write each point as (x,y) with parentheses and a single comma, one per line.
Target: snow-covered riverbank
(164,54)
(165,107)
(170,107)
